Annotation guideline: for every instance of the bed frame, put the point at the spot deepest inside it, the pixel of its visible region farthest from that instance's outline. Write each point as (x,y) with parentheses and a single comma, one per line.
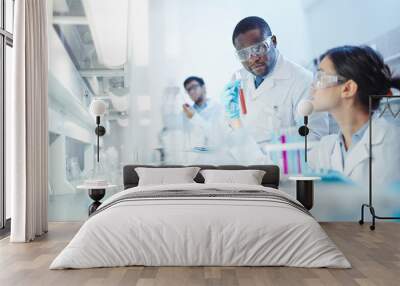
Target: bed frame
(270,179)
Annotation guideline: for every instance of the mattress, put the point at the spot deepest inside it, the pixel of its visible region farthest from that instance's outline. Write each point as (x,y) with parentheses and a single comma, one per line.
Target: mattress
(201,225)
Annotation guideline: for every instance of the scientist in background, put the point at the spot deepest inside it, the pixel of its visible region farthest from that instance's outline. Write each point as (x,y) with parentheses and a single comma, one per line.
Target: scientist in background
(202,124)
(272,88)
(203,108)
(346,77)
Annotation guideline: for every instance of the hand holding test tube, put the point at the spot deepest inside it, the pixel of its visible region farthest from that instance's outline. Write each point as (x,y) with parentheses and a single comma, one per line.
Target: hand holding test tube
(233,95)
(230,98)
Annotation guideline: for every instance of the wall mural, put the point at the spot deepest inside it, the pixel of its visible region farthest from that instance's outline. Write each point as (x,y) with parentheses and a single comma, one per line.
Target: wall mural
(242,92)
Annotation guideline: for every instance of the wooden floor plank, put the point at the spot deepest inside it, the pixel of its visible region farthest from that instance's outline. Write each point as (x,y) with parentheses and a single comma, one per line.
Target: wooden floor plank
(375,257)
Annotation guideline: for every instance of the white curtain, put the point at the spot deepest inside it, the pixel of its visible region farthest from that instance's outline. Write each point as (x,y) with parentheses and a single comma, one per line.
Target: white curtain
(27,132)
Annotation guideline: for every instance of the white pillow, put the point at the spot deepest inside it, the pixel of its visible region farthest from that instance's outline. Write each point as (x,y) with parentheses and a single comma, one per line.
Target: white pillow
(165,176)
(248,177)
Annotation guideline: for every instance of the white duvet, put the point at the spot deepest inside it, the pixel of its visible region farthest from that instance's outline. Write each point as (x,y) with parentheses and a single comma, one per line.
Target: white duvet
(200,231)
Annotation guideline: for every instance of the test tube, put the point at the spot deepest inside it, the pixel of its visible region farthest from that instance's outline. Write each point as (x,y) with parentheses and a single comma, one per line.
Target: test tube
(241,93)
(284,155)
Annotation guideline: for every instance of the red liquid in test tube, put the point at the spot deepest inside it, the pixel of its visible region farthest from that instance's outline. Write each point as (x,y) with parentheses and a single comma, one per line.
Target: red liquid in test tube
(242,101)
(241,93)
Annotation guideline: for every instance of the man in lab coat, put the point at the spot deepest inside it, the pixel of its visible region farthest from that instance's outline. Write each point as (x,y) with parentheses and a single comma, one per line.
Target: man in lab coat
(272,86)
(203,109)
(202,125)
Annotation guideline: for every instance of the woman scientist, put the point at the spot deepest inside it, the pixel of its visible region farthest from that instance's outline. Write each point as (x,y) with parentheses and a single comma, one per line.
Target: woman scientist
(346,77)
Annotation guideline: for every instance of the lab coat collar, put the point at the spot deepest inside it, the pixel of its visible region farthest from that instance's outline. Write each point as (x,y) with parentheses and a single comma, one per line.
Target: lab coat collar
(360,152)
(281,71)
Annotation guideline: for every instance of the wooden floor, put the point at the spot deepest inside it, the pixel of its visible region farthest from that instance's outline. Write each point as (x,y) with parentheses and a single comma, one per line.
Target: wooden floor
(375,257)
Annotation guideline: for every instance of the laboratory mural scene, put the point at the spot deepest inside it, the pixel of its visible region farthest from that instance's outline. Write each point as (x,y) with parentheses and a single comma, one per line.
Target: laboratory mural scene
(233,82)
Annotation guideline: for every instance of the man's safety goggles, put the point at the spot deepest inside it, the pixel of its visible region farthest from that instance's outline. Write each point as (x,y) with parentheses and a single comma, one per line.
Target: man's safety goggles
(259,49)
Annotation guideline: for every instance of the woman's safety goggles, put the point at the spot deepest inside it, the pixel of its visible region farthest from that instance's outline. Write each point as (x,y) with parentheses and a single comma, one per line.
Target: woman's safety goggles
(259,49)
(325,80)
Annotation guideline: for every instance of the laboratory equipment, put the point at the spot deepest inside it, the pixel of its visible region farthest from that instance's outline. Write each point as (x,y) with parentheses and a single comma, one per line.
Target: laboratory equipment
(369,205)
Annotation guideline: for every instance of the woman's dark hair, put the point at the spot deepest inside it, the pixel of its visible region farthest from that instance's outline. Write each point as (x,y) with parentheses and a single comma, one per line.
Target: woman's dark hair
(366,67)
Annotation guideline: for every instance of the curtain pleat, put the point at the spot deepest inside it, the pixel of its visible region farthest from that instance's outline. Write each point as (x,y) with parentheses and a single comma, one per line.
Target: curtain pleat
(29,159)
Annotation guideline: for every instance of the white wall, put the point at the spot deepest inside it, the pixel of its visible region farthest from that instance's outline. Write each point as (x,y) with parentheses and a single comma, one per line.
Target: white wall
(333,23)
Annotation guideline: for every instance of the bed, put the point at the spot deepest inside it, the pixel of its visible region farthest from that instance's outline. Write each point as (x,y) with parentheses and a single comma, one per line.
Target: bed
(198,224)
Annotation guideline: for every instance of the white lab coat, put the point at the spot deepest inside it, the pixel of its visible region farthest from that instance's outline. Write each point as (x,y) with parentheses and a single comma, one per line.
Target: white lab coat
(273,106)
(326,155)
(206,129)
(199,129)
